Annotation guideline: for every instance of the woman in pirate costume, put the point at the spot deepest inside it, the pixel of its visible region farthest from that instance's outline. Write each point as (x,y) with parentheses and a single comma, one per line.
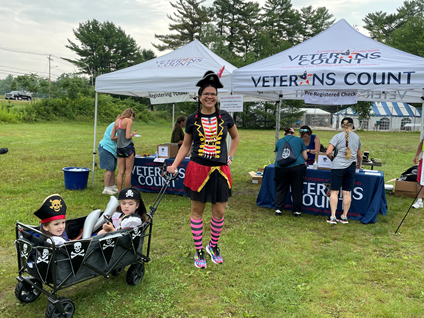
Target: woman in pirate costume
(207,177)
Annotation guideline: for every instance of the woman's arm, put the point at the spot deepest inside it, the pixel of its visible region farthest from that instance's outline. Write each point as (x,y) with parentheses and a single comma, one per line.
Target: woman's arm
(417,154)
(317,145)
(188,139)
(330,151)
(234,142)
(359,158)
(128,126)
(113,133)
(115,136)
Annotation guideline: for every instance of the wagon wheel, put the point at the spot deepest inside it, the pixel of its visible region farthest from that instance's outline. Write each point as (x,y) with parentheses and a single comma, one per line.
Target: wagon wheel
(26,292)
(135,274)
(68,307)
(117,271)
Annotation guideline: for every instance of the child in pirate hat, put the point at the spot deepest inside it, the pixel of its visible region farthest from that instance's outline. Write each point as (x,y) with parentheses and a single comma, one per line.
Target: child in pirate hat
(52,214)
(130,213)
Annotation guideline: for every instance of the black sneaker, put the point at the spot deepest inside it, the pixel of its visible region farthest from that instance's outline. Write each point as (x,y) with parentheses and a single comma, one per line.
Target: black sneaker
(332,220)
(343,220)
(278,212)
(297,214)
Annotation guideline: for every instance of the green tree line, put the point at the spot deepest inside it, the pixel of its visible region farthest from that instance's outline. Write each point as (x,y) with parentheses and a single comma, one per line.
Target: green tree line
(240,31)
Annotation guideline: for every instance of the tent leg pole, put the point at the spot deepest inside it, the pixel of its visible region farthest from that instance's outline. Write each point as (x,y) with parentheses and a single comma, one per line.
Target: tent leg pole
(94,143)
(422,115)
(173,116)
(277,119)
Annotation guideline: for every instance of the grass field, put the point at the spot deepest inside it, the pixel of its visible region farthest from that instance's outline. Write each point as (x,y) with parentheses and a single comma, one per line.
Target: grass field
(274,267)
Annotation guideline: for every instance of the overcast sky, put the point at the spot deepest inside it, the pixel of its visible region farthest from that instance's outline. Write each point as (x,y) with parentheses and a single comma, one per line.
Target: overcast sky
(41,27)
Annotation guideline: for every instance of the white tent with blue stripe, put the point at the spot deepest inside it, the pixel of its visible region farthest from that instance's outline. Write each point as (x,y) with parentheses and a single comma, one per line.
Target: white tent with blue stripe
(389,116)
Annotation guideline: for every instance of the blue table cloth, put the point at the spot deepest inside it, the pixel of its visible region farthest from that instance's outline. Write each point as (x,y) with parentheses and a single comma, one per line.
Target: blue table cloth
(368,195)
(146,175)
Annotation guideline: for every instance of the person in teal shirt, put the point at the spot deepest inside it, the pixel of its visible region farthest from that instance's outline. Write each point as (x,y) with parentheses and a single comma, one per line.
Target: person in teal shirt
(108,160)
(291,175)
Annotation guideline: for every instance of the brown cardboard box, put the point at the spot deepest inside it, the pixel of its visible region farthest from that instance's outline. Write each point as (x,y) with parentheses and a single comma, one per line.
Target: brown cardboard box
(255,178)
(323,162)
(407,188)
(167,150)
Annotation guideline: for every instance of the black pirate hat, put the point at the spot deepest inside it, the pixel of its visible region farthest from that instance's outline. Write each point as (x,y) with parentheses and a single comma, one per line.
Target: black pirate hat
(129,194)
(53,208)
(210,78)
(133,194)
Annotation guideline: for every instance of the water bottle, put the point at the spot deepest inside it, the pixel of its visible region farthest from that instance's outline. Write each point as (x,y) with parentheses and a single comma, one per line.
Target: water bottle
(315,165)
(156,154)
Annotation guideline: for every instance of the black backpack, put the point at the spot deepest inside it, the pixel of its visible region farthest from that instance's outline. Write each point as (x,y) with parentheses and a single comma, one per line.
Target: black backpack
(286,155)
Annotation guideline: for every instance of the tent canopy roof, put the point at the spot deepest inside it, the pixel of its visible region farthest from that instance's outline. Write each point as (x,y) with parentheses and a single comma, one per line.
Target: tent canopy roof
(177,71)
(384,109)
(315,111)
(339,58)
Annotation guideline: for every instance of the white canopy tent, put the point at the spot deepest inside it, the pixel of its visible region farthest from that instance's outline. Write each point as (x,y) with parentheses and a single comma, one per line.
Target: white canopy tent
(384,116)
(339,58)
(315,117)
(177,71)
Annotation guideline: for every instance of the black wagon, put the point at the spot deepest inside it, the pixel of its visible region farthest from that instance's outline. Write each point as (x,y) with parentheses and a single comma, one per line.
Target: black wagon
(48,268)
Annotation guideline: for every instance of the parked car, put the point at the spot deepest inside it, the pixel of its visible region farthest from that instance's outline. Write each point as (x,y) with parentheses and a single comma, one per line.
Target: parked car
(18,95)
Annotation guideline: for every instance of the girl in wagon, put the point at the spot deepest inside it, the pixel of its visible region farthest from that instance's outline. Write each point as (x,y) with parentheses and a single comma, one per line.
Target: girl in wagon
(52,214)
(130,213)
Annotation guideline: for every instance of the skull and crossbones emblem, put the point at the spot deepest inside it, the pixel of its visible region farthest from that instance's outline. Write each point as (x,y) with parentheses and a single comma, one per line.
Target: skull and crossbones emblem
(129,193)
(56,205)
(79,251)
(44,258)
(136,232)
(109,243)
(24,253)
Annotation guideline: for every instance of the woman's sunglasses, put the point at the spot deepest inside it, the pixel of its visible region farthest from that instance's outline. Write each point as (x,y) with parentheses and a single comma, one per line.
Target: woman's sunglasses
(303,130)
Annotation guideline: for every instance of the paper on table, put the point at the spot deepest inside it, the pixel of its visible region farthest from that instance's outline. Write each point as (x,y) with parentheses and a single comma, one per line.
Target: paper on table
(159,160)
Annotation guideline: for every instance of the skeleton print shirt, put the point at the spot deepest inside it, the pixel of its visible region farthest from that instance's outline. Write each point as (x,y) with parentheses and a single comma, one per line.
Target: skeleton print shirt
(209,138)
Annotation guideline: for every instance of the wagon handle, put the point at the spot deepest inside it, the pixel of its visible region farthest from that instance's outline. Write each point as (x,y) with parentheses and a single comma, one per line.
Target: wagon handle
(168,178)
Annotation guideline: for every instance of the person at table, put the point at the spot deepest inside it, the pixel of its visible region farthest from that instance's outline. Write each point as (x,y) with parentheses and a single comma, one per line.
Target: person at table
(208,177)
(417,158)
(108,159)
(125,146)
(312,143)
(346,159)
(292,175)
(177,136)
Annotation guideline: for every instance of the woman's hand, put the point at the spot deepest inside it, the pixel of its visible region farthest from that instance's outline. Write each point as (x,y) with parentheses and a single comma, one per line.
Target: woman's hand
(172,170)
(134,133)
(415,160)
